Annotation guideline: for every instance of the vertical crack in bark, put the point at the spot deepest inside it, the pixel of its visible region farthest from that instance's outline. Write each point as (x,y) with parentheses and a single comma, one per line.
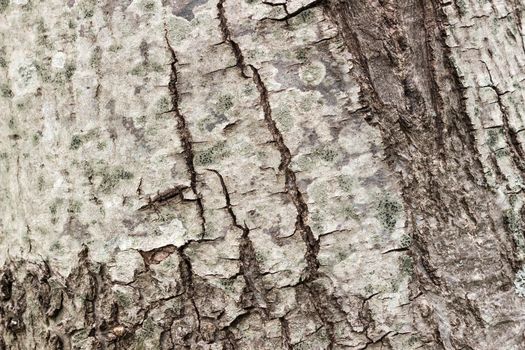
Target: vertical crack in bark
(292,188)
(435,97)
(515,147)
(185,266)
(249,266)
(185,134)
(285,333)
(186,275)
(312,244)
(227,37)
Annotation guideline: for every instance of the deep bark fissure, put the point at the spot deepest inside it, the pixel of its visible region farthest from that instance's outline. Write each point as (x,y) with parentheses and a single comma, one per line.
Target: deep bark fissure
(311,272)
(292,188)
(185,266)
(290,15)
(185,134)
(285,333)
(515,147)
(312,244)
(164,197)
(433,167)
(249,266)
(227,38)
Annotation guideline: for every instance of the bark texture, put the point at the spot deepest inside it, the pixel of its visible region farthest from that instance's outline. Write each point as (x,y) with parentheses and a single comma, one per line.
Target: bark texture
(245,174)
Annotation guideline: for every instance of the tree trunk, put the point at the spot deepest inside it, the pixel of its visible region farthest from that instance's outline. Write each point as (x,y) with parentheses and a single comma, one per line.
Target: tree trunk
(238,174)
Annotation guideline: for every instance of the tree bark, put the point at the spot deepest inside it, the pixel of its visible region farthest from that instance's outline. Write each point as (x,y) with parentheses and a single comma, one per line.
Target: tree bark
(238,174)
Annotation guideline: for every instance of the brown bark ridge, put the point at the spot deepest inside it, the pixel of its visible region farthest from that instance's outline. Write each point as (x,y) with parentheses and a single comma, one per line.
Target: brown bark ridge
(240,174)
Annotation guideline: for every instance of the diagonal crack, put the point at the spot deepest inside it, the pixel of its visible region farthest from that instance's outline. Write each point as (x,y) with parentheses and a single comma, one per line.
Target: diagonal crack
(164,197)
(312,244)
(290,15)
(184,133)
(311,272)
(518,156)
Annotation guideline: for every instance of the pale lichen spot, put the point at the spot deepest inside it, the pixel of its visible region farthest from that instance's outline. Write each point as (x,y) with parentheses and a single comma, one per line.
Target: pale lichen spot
(519,283)
(313,73)
(59,60)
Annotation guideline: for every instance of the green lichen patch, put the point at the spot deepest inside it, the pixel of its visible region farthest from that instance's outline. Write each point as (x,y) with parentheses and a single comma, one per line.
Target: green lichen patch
(5,91)
(163,105)
(78,140)
(224,103)
(36,138)
(143,68)
(515,226)
(149,6)
(74,207)
(3,5)
(313,73)
(305,17)
(69,70)
(96,58)
(387,212)
(345,183)
(41,183)
(284,119)
(53,209)
(405,241)
(406,265)
(493,135)
(112,177)
(87,8)
(301,54)
(43,36)
(326,153)
(212,154)
(349,212)
(502,152)
(105,176)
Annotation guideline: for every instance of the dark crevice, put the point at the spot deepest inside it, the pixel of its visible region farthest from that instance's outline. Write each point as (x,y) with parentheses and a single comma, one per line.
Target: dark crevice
(186,275)
(290,15)
(185,135)
(185,266)
(511,136)
(164,197)
(285,333)
(249,266)
(227,38)
(312,244)
(290,179)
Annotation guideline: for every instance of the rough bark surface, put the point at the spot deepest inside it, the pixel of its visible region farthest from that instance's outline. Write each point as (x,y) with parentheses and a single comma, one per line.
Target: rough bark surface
(245,174)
